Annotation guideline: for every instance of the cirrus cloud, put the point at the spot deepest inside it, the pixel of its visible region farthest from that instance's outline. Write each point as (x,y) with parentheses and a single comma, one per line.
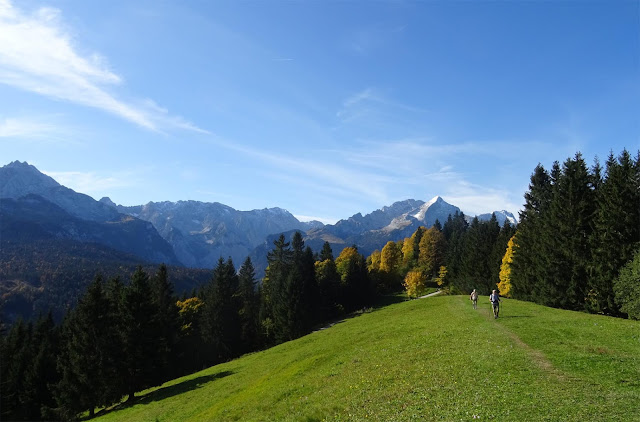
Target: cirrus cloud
(38,54)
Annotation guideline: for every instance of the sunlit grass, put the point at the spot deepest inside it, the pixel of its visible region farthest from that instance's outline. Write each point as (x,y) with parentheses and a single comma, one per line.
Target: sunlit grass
(429,359)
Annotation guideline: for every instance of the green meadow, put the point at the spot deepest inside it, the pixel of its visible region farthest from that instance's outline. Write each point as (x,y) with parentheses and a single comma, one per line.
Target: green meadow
(430,359)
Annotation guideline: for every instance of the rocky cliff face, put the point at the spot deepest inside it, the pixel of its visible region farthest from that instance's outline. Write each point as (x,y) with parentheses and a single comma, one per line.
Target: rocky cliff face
(19,179)
(35,203)
(201,232)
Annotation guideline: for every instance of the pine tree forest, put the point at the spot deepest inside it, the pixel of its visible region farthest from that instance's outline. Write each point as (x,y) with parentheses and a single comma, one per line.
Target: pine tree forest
(576,246)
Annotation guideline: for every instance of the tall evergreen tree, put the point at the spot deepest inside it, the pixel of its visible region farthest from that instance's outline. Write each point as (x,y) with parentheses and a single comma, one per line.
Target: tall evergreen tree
(326,252)
(570,227)
(14,361)
(42,374)
(221,313)
(167,320)
(85,360)
(141,333)
(616,229)
(249,306)
(274,312)
(454,231)
(528,266)
(475,270)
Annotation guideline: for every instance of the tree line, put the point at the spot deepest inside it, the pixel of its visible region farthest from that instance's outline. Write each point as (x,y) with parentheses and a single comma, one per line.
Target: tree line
(579,228)
(122,338)
(458,256)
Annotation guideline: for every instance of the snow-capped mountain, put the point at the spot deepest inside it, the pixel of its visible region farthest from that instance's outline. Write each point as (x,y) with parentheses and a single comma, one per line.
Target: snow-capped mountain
(501,216)
(373,230)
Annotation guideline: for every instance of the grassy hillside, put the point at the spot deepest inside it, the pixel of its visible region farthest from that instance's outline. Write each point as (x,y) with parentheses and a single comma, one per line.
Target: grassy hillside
(429,359)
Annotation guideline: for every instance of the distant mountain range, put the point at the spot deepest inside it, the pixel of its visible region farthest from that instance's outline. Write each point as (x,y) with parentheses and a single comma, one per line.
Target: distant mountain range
(192,233)
(54,240)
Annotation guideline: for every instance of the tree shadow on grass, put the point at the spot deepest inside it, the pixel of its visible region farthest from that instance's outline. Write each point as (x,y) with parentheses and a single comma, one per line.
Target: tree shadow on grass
(169,391)
(389,299)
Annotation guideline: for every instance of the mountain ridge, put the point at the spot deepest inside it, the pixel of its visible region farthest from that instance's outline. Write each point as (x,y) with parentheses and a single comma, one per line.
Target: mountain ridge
(201,232)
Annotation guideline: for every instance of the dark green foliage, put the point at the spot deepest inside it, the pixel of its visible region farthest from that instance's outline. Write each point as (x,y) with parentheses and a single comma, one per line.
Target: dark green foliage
(578,228)
(167,320)
(326,252)
(141,334)
(28,369)
(616,228)
(627,287)
(567,237)
(528,265)
(87,356)
(221,329)
(454,231)
(249,299)
(476,266)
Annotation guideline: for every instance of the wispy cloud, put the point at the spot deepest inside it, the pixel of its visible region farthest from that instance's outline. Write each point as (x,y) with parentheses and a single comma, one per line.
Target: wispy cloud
(371,103)
(38,54)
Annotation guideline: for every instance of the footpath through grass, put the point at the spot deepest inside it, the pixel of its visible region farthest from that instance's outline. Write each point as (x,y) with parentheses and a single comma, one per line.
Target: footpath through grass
(428,359)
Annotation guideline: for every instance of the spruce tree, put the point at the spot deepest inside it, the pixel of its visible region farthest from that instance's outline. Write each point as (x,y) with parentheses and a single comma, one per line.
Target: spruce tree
(167,319)
(85,360)
(528,266)
(220,314)
(249,306)
(616,229)
(326,252)
(14,361)
(454,231)
(274,312)
(141,334)
(570,226)
(42,373)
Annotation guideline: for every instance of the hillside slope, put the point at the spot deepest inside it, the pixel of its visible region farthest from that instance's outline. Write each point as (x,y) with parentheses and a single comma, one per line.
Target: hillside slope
(431,359)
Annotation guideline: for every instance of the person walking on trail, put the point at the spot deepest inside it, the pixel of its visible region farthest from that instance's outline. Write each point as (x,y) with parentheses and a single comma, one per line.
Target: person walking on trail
(474,298)
(495,302)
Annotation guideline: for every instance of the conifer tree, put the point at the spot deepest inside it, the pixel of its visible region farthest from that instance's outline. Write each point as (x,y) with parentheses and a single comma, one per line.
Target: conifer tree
(15,360)
(326,252)
(616,229)
(569,229)
(167,320)
(249,306)
(454,231)
(42,373)
(141,334)
(529,265)
(85,360)
(274,311)
(221,313)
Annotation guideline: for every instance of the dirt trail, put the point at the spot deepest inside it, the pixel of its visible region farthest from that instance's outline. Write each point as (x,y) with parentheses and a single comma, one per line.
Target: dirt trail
(536,355)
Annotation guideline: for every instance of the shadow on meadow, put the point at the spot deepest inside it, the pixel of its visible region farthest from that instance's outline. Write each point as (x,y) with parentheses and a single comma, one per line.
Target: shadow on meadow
(169,391)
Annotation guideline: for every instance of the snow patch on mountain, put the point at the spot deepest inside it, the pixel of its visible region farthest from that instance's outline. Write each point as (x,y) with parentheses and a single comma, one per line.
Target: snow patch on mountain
(423,209)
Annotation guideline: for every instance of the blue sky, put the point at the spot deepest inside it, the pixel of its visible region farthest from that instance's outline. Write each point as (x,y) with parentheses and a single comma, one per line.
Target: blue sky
(325,109)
